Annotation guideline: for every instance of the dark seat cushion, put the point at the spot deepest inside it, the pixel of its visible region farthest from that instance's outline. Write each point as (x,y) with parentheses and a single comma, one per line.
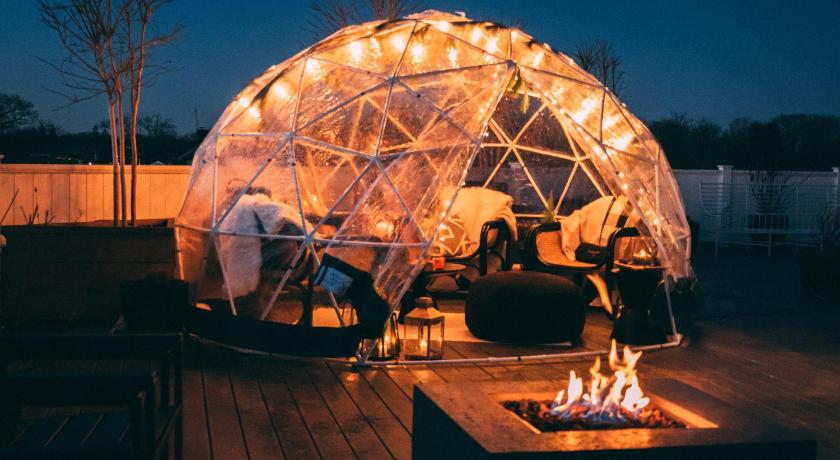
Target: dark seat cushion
(525,307)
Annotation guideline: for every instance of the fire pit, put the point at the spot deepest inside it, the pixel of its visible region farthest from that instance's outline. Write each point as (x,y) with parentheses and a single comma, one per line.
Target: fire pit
(613,418)
(612,402)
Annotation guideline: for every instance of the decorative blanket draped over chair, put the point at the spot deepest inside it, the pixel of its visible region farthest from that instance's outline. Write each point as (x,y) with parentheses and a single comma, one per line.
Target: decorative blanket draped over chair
(478,233)
(584,244)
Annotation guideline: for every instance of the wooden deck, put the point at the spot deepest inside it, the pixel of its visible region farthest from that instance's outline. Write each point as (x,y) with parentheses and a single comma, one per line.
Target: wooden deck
(762,345)
(246,406)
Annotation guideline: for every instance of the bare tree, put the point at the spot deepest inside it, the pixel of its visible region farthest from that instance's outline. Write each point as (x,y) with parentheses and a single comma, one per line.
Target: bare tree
(391,9)
(327,16)
(155,125)
(15,113)
(107,43)
(599,58)
(87,30)
(138,19)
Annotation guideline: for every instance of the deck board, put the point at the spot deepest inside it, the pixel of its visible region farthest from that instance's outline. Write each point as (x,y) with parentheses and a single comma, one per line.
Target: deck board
(395,436)
(223,420)
(358,432)
(260,438)
(330,410)
(326,433)
(296,441)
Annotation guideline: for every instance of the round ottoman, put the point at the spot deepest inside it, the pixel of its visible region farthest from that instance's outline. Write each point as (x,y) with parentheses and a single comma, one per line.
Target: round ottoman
(525,307)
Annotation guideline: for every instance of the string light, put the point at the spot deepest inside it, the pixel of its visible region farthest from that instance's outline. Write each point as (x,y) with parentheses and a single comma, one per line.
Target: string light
(398,42)
(453,56)
(280,90)
(443,26)
(313,68)
(475,36)
(538,57)
(587,106)
(417,51)
(355,51)
(492,44)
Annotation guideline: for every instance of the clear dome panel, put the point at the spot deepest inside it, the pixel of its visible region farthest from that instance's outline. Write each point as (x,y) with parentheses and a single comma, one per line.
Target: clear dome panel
(324,177)
(529,53)
(326,85)
(378,53)
(249,165)
(583,103)
(430,50)
(581,191)
(354,126)
(492,39)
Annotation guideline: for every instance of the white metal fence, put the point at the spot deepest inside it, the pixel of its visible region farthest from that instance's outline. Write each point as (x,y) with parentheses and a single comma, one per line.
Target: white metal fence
(767,214)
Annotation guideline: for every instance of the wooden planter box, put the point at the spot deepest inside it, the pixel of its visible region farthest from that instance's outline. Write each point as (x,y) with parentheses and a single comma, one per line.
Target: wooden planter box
(57,275)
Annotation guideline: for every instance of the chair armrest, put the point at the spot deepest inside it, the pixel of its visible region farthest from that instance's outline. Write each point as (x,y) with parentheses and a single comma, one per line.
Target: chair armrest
(503,235)
(530,256)
(624,232)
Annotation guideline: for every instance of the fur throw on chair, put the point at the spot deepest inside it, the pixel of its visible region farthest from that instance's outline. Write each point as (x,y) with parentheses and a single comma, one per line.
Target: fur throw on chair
(241,256)
(477,205)
(594,223)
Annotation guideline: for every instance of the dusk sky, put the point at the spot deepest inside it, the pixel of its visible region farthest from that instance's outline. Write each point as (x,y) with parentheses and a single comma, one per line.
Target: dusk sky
(715,60)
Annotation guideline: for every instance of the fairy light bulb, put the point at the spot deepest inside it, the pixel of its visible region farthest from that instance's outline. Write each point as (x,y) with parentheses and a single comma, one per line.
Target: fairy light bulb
(475,35)
(417,51)
(244,101)
(375,48)
(254,112)
(280,90)
(443,26)
(398,42)
(452,53)
(492,44)
(313,68)
(538,57)
(355,51)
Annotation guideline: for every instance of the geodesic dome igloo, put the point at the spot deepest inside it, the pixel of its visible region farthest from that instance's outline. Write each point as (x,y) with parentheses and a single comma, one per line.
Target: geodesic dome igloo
(356,147)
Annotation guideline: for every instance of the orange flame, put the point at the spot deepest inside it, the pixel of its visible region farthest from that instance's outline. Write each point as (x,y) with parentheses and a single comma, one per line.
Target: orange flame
(609,397)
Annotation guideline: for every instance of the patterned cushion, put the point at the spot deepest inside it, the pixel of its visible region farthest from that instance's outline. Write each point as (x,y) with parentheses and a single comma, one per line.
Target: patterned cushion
(452,239)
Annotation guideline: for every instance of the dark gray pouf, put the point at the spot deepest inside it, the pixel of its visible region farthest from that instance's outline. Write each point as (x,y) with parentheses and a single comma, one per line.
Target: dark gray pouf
(525,307)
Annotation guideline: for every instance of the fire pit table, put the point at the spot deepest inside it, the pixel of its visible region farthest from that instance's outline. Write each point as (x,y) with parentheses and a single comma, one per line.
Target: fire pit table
(470,421)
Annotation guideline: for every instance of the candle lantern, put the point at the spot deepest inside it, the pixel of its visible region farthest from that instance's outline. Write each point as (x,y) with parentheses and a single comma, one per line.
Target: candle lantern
(388,346)
(423,331)
(644,251)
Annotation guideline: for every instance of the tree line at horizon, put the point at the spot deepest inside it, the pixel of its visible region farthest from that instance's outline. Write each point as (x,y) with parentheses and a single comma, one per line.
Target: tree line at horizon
(786,142)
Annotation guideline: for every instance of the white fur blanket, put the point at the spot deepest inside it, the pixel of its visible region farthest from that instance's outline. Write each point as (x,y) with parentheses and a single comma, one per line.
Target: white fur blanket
(241,256)
(477,205)
(591,224)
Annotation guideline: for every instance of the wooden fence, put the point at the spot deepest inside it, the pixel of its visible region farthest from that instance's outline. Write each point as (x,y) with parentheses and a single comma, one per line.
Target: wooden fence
(83,193)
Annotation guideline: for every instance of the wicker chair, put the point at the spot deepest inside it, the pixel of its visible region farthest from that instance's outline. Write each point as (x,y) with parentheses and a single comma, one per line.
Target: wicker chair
(543,252)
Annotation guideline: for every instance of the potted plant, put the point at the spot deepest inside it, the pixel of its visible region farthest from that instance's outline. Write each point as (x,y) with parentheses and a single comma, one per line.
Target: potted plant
(770,192)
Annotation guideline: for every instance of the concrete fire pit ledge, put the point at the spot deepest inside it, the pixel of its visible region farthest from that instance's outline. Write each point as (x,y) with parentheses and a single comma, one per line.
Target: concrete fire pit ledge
(468,421)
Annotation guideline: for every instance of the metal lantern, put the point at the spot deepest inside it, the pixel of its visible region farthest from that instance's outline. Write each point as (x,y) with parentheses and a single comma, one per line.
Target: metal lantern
(422,336)
(387,346)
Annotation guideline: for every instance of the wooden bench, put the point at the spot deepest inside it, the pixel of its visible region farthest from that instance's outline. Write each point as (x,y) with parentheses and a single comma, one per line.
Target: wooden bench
(147,403)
